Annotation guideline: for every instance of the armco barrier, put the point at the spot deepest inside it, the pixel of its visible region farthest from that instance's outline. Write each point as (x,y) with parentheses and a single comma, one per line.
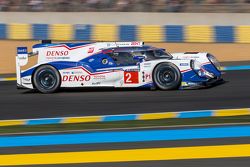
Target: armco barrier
(129,117)
(110,32)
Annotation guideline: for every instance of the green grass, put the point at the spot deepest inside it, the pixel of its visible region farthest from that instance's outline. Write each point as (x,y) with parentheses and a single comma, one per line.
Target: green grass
(124,124)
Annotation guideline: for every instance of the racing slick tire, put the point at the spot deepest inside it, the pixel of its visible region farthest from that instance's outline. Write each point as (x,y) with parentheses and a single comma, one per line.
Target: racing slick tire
(46,79)
(167,76)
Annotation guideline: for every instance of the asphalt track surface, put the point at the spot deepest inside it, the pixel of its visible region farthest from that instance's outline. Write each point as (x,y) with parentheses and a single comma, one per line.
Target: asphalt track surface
(26,104)
(228,162)
(232,162)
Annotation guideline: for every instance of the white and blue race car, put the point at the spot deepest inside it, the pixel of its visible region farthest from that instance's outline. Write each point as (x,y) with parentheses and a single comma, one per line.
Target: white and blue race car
(113,64)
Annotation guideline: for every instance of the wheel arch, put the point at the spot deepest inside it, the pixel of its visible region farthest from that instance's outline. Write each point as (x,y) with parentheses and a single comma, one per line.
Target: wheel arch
(171,63)
(33,73)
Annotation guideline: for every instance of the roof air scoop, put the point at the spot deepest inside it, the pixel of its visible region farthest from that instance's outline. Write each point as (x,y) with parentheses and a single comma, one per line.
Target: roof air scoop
(46,41)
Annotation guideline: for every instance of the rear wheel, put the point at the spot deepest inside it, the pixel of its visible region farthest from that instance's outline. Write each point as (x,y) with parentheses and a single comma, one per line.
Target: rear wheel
(46,79)
(167,76)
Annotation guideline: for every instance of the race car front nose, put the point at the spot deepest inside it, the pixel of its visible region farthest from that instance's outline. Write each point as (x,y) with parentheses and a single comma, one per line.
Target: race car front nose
(200,70)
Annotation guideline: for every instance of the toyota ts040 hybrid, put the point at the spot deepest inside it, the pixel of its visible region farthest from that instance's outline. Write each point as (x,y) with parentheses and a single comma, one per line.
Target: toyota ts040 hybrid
(113,64)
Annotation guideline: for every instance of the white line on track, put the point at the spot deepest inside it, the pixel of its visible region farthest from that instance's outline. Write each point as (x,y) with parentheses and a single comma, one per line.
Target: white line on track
(130,128)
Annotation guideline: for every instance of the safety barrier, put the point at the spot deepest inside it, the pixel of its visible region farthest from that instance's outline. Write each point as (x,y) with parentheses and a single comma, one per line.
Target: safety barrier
(128,117)
(110,32)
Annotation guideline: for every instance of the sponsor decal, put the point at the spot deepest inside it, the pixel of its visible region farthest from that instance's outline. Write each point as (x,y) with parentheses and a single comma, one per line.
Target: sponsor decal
(91,50)
(121,83)
(76,72)
(147,64)
(192,84)
(90,60)
(132,69)
(76,78)
(22,57)
(96,83)
(58,58)
(57,53)
(184,84)
(135,43)
(101,77)
(22,50)
(148,76)
(145,76)
(190,57)
(184,64)
(105,61)
(26,79)
(131,77)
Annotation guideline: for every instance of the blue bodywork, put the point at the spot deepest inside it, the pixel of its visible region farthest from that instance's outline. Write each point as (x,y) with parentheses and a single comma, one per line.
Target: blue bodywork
(194,80)
(93,64)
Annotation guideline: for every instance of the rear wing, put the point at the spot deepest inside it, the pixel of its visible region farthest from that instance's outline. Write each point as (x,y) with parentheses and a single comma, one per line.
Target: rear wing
(126,44)
(21,60)
(104,45)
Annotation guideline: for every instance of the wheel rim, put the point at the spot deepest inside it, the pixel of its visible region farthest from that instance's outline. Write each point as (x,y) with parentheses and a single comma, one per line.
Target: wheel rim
(47,79)
(165,76)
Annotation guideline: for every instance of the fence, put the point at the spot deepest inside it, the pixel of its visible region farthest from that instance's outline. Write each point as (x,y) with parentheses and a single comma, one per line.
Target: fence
(110,32)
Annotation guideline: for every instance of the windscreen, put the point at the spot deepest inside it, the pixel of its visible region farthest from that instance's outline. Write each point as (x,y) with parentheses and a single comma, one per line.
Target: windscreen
(153,54)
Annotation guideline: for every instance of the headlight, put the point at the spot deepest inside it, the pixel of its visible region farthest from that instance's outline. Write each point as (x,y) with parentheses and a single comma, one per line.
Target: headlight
(214,61)
(195,65)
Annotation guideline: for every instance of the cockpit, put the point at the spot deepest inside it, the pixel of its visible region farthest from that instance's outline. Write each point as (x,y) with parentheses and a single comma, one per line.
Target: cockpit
(133,55)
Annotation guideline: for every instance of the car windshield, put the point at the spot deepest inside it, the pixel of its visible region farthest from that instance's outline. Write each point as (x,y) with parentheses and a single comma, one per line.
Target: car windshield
(153,54)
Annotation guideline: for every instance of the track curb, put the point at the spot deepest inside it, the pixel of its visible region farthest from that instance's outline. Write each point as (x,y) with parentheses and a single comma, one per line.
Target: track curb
(128,117)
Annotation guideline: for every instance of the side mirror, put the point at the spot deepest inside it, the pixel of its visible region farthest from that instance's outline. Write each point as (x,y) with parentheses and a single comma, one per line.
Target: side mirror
(139,58)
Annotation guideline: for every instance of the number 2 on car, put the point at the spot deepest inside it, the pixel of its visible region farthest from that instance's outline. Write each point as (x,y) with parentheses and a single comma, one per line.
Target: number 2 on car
(131,77)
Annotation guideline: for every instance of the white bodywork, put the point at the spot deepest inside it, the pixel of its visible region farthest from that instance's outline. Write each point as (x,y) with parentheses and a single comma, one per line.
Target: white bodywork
(128,76)
(199,56)
(132,76)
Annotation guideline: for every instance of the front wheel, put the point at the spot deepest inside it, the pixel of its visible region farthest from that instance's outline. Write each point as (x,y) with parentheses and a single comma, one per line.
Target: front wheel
(167,76)
(46,79)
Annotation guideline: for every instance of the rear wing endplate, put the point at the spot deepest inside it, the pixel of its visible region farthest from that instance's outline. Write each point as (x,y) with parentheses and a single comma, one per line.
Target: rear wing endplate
(21,60)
